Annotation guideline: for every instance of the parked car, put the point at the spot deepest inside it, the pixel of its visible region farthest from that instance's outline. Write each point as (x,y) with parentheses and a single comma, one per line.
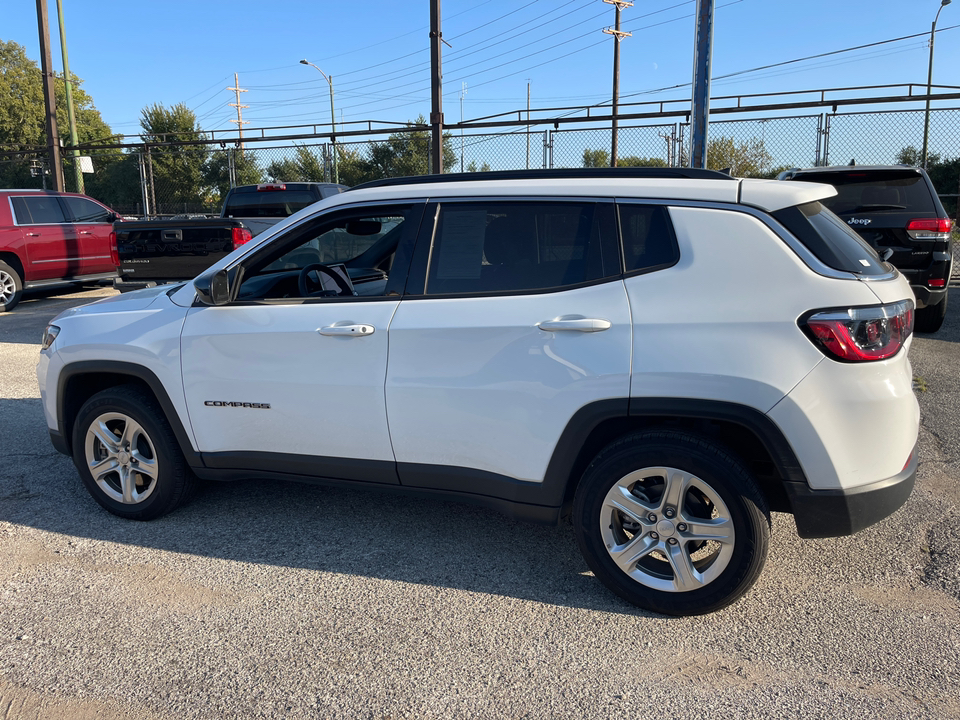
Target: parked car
(665,355)
(49,237)
(161,251)
(896,209)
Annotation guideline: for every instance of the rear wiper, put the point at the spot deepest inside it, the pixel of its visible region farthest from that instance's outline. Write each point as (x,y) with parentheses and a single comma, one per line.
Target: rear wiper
(867,208)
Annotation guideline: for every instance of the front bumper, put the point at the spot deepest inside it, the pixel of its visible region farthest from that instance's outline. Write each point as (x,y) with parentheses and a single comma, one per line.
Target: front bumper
(831,513)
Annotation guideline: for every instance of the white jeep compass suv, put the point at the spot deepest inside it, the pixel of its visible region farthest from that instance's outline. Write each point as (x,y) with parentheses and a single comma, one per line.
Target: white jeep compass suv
(664,355)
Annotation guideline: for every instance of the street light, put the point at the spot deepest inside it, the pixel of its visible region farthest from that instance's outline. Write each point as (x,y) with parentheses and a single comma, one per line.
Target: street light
(333,118)
(926,116)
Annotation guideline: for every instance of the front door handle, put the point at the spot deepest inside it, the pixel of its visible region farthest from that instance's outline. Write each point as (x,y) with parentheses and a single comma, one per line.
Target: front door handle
(574,323)
(86,232)
(352,330)
(33,234)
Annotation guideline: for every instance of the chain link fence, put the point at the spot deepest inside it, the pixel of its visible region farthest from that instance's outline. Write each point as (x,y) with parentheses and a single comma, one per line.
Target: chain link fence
(152,180)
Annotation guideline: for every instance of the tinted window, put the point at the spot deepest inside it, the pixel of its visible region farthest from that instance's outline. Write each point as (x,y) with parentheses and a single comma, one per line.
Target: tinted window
(875,191)
(648,239)
(831,239)
(501,247)
(39,210)
(268,203)
(86,211)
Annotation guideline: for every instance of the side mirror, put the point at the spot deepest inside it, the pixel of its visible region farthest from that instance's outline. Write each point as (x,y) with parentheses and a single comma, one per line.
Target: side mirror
(213,288)
(112,217)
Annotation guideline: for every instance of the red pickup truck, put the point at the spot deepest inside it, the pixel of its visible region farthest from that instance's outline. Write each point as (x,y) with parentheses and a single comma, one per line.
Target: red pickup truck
(49,237)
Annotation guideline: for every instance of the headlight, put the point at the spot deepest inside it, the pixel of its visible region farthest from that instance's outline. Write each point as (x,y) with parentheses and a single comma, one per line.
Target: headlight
(50,333)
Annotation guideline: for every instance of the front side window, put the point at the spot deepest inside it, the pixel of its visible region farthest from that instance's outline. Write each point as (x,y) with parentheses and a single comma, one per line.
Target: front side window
(515,246)
(86,211)
(349,254)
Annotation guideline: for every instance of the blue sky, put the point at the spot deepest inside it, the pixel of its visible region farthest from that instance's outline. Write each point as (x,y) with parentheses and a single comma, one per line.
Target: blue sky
(131,54)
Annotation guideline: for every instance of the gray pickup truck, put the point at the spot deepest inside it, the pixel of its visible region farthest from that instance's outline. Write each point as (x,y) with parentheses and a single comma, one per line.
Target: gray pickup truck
(161,251)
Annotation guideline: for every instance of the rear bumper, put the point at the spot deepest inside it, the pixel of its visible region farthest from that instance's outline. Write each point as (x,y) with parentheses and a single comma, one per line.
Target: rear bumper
(928,296)
(831,513)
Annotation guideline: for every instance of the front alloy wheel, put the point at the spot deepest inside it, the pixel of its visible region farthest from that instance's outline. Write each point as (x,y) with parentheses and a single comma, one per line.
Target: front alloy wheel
(122,458)
(671,522)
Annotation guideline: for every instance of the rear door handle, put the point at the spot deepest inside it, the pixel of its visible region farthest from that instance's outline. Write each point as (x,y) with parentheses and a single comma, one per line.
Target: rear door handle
(351,330)
(574,323)
(86,232)
(33,234)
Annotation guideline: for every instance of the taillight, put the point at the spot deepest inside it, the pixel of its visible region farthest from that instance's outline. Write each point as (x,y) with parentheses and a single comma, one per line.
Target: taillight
(114,251)
(861,334)
(240,236)
(929,228)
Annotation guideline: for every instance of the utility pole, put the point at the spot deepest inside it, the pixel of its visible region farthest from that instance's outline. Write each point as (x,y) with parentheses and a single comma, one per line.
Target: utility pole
(618,36)
(68,82)
(240,108)
(926,115)
(700,103)
(436,88)
(53,138)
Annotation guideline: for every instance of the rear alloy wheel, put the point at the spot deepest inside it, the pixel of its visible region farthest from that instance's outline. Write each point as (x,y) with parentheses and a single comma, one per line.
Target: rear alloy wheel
(11,287)
(128,456)
(672,523)
(930,318)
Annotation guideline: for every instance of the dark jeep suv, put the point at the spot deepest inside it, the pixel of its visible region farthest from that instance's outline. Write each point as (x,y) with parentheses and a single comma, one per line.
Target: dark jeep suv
(895,208)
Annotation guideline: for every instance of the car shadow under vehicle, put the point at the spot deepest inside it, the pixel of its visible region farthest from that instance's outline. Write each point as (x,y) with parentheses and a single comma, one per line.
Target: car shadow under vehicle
(361,532)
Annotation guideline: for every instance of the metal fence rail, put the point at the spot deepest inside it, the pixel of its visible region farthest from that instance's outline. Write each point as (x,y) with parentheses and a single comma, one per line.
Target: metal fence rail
(158,180)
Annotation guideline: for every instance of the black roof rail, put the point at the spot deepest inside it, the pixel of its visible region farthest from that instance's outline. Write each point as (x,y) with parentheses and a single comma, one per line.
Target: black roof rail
(552,174)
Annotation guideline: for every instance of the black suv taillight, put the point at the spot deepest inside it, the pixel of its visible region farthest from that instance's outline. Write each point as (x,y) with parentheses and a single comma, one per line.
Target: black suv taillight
(929,228)
(861,334)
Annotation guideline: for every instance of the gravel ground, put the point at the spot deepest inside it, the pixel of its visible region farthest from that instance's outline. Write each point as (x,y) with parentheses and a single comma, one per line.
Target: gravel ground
(290,601)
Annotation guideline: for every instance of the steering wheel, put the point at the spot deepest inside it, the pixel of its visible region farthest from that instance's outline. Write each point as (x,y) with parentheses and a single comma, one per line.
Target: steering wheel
(304,281)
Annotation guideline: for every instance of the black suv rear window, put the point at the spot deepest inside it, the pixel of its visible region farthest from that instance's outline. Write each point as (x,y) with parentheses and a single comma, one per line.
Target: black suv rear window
(864,191)
(268,203)
(831,239)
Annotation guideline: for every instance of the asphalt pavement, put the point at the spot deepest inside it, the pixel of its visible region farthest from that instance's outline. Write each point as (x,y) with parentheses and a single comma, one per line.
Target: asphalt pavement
(277,600)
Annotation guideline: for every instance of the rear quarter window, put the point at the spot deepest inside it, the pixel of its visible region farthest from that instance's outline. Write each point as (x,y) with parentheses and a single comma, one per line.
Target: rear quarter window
(831,239)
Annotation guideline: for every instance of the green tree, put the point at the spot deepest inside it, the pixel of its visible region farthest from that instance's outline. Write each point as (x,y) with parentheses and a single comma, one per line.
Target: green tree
(944,174)
(246,170)
(179,179)
(305,166)
(596,158)
(473,167)
(22,122)
(745,159)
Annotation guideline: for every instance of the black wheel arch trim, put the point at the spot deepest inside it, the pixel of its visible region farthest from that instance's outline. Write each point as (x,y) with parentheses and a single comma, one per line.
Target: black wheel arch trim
(131,370)
(757,422)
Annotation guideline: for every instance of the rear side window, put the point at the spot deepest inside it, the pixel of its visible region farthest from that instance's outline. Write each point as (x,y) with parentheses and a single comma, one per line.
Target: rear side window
(268,203)
(515,246)
(831,239)
(893,190)
(38,210)
(648,239)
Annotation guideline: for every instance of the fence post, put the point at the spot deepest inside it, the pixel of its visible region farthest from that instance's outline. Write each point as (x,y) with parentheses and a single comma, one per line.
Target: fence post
(232,166)
(548,149)
(816,157)
(153,192)
(826,139)
(143,184)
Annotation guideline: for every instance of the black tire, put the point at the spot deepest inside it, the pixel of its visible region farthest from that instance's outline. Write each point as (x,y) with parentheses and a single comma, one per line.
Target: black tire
(716,485)
(158,477)
(930,318)
(11,287)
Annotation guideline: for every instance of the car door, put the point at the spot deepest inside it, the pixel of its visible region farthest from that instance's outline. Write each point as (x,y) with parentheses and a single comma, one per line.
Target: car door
(92,223)
(52,247)
(515,318)
(289,377)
